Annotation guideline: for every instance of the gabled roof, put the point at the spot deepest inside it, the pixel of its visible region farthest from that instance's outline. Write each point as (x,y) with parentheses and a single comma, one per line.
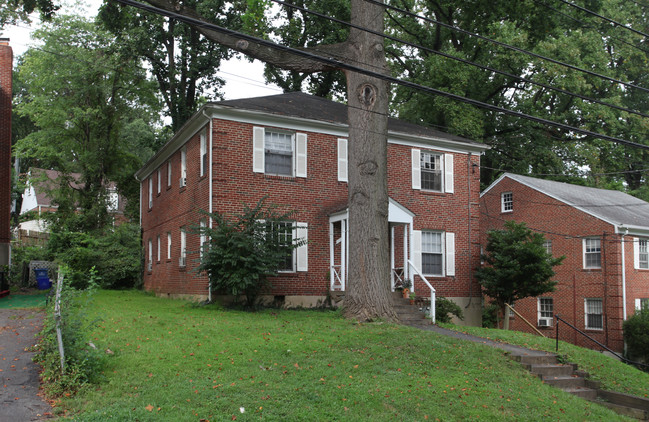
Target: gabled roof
(299,104)
(611,206)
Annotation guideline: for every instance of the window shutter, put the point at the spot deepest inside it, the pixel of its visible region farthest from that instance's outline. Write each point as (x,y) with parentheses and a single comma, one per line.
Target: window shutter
(638,304)
(450,254)
(258,149)
(416,169)
(301,253)
(342,160)
(448,173)
(300,155)
(636,253)
(416,249)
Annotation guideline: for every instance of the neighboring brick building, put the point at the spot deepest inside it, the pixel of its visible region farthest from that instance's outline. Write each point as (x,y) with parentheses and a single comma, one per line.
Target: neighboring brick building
(6,68)
(604,236)
(293,148)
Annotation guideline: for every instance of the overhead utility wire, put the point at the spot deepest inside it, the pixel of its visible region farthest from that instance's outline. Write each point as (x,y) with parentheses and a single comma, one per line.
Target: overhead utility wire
(461,60)
(510,47)
(588,26)
(341,65)
(590,12)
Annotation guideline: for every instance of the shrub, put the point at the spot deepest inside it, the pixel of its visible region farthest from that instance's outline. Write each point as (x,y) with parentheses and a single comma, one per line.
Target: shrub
(636,335)
(20,258)
(82,360)
(444,309)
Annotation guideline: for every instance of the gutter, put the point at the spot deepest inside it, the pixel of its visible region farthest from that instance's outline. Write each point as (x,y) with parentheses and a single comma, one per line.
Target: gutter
(623,276)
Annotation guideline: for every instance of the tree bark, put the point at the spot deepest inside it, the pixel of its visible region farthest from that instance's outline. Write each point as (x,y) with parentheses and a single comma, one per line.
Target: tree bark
(368,293)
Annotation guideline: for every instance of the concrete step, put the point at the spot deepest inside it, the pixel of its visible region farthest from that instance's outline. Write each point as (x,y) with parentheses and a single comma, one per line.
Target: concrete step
(548,358)
(565,382)
(550,370)
(632,412)
(625,404)
(584,393)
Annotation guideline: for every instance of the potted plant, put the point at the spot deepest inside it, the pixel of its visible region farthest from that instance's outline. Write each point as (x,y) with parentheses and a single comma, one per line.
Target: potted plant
(406,288)
(412,298)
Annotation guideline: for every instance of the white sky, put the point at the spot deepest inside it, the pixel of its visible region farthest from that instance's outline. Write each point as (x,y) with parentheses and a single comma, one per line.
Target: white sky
(242,79)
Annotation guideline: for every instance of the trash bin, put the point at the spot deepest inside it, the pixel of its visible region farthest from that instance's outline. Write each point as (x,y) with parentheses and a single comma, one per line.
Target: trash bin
(42,279)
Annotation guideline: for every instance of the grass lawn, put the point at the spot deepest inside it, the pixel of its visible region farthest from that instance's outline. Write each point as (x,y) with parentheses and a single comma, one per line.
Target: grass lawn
(176,362)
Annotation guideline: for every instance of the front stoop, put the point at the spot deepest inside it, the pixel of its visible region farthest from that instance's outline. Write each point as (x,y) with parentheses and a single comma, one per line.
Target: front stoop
(571,380)
(409,314)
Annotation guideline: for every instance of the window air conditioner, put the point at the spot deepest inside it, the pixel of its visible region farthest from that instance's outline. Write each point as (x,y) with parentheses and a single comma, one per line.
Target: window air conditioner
(183,182)
(181,261)
(544,323)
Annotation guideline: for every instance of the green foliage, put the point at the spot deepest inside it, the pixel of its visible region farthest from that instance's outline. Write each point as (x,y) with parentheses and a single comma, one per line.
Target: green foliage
(490,315)
(20,258)
(517,265)
(82,361)
(636,335)
(115,253)
(243,251)
(445,309)
(83,97)
(14,11)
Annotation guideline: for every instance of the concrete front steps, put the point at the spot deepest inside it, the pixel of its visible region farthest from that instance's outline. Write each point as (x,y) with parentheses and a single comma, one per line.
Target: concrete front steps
(408,313)
(570,379)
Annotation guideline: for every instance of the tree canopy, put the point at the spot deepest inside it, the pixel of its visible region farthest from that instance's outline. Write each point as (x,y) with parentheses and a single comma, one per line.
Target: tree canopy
(516,265)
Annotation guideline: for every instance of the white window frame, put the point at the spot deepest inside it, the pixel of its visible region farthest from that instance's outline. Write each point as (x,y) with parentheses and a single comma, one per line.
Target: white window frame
(641,253)
(507,202)
(299,162)
(113,201)
(543,319)
(203,224)
(183,167)
(182,261)
(159,182)
(440,252)
(446,171)
(158,256)
(203,151)
(448,252)
(642,304)
(547,244)
(150,261)
(590,249)
(593,303)
(169,173)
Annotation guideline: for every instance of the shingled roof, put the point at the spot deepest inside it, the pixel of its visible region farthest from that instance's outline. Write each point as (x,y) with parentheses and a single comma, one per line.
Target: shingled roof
(612,206)
(299,104)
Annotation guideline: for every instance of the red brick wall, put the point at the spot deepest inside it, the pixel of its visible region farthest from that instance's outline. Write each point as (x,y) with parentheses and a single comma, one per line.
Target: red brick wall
(6,65)
(313,198)
(566,227)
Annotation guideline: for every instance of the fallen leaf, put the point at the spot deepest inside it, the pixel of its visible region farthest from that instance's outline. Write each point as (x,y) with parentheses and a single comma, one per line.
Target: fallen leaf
(149,408)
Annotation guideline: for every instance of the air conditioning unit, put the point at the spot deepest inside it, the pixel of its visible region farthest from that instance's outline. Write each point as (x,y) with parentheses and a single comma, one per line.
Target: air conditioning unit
(182,261)
(544,323)
(149,266)
(183,182)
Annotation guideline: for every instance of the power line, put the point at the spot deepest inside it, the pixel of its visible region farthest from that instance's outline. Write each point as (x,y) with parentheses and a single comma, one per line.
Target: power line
(510,47)
(517,78)
(612,173)
(336,64)
(590,12)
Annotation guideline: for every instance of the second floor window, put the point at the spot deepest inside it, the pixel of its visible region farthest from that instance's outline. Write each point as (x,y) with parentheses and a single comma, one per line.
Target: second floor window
(641,253)
(507,202)
(592,253)
(203,153)
(432,171)
(279,153)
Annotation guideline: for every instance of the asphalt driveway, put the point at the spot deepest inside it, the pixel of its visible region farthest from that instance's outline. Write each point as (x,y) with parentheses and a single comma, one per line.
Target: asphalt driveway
(19,383)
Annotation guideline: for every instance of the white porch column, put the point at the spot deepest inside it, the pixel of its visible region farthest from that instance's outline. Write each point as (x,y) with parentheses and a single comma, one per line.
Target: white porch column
(344,235)
(392,256)
(406,267)
(332,261)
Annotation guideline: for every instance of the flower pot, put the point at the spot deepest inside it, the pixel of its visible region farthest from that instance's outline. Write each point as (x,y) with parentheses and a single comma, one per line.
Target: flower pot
(406,293)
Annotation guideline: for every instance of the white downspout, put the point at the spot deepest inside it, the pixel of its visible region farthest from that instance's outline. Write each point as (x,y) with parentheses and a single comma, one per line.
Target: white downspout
(623,277)
(210,190)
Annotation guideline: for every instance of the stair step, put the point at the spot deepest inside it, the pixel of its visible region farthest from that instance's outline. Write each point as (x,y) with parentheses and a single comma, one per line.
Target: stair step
(584,393)
(631,412)
(536,359)
(547,370)
(566,381)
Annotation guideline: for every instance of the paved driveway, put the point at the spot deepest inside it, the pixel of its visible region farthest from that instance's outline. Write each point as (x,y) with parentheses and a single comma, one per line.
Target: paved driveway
(19,384)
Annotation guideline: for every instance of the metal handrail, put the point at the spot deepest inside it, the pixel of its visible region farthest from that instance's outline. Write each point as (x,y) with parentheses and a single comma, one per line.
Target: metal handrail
(432,290)
(622,358)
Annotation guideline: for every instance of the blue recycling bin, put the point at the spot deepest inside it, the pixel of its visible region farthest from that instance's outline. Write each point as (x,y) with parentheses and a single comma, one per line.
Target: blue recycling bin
(42,279)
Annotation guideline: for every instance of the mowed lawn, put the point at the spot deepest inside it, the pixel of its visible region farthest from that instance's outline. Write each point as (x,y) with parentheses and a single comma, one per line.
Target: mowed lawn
(174,361)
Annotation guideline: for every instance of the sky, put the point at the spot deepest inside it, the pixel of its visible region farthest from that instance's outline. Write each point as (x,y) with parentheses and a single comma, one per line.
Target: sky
(242,78)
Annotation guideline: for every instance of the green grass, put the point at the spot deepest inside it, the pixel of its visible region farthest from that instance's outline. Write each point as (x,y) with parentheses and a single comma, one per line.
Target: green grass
(614,375)
(176,362)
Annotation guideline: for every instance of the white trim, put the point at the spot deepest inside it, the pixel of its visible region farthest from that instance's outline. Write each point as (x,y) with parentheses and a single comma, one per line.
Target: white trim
(416,249)
(158,255)
(342,160)
(586,299)
(168,245)
(202,151)
(583,252)
(638,304)
(300,155)
(415,156)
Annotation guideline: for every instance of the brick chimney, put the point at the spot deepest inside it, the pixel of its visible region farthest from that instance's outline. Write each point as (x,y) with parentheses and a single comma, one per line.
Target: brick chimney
(6,67)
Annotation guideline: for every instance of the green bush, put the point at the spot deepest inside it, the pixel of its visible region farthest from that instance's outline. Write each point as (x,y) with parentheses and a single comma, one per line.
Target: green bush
(20,258)
(445,309)
(83,360)
(116,254)
(636,336)
(490,315)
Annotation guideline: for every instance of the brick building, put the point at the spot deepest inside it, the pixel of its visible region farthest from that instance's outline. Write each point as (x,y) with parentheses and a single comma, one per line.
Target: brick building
(6,68)
(604,236)
(293,148)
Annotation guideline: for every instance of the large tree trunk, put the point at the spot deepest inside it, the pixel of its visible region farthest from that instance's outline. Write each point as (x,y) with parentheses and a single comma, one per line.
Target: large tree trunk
(368,293)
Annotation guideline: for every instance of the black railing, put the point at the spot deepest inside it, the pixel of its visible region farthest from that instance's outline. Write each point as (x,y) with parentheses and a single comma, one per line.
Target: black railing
(622,358)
